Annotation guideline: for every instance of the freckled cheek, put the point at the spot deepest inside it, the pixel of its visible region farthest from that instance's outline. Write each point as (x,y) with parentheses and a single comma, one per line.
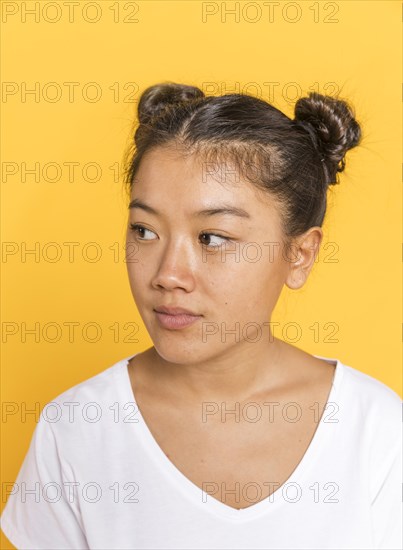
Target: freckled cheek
(139,278)
(250,289)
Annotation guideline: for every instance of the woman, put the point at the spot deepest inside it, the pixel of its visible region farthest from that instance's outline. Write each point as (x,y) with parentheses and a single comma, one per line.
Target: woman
(220,435)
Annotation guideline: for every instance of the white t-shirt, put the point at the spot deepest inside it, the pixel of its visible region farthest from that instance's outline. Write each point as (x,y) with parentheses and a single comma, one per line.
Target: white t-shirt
(94,477)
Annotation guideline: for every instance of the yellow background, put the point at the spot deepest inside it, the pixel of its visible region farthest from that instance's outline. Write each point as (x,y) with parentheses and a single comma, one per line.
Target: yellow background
(360,292)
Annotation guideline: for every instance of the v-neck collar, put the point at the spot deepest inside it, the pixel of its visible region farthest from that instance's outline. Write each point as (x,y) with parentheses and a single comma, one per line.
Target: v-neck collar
(194,493)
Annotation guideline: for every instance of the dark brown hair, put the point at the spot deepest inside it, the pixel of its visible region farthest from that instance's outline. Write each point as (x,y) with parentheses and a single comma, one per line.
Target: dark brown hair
(296,160)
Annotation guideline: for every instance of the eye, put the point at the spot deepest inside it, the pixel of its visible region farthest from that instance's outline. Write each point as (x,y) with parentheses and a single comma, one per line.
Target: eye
(139,232)
(215,245)
(136,228)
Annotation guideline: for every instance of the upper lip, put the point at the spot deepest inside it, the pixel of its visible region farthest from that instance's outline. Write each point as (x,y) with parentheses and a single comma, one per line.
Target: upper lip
(174,310)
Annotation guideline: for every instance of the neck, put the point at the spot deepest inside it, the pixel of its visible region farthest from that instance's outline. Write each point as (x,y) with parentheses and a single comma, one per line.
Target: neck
(237,374)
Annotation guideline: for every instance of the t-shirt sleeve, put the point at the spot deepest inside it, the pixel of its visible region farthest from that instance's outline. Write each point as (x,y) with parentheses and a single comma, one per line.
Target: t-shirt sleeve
(40,512)
(386,502)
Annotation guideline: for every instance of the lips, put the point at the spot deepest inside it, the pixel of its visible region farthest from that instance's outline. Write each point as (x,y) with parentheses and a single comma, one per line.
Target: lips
(179,320)
(175,311)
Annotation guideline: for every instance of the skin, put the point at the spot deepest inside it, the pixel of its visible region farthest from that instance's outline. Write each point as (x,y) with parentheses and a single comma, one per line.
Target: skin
(185,368)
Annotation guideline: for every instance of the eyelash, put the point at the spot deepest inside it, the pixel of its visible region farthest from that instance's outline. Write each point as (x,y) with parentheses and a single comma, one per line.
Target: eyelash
(135,227)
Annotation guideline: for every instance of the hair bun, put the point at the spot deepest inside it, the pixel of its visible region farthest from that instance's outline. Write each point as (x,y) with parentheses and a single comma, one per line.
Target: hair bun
(156,98)
(333,123)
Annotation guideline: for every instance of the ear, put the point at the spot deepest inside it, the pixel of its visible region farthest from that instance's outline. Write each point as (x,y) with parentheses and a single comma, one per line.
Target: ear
(301,256)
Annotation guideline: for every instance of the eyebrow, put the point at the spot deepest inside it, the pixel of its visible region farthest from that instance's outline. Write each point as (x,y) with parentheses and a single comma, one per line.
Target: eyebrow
(223,209)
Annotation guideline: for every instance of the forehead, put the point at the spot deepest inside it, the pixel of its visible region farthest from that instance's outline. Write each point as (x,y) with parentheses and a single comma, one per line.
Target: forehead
(168,164)
(168,175)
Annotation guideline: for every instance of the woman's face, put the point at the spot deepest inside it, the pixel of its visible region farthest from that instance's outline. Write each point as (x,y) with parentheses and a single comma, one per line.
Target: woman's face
(181,258)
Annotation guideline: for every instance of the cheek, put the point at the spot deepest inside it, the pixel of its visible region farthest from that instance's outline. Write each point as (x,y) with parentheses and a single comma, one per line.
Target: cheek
(138,275)
(131,251)
(247,288)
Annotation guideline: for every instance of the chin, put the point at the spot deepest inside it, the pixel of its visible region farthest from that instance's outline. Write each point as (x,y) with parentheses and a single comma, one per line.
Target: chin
(179,352)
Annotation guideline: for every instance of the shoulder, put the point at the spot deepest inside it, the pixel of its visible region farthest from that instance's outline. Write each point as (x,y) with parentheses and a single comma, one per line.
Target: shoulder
(73,425)
(95,386)
(370,391)
(376,408)
(87,404)
(361,393)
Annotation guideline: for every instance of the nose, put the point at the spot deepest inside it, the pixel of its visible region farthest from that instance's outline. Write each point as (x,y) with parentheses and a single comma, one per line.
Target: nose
(176,267)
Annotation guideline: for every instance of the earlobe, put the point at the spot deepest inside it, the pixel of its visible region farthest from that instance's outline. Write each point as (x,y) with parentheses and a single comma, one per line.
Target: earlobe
(296,275)
(306,249)
(296,278)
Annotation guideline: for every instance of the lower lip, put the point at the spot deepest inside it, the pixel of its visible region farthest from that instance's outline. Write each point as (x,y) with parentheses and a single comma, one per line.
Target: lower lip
(176,321)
